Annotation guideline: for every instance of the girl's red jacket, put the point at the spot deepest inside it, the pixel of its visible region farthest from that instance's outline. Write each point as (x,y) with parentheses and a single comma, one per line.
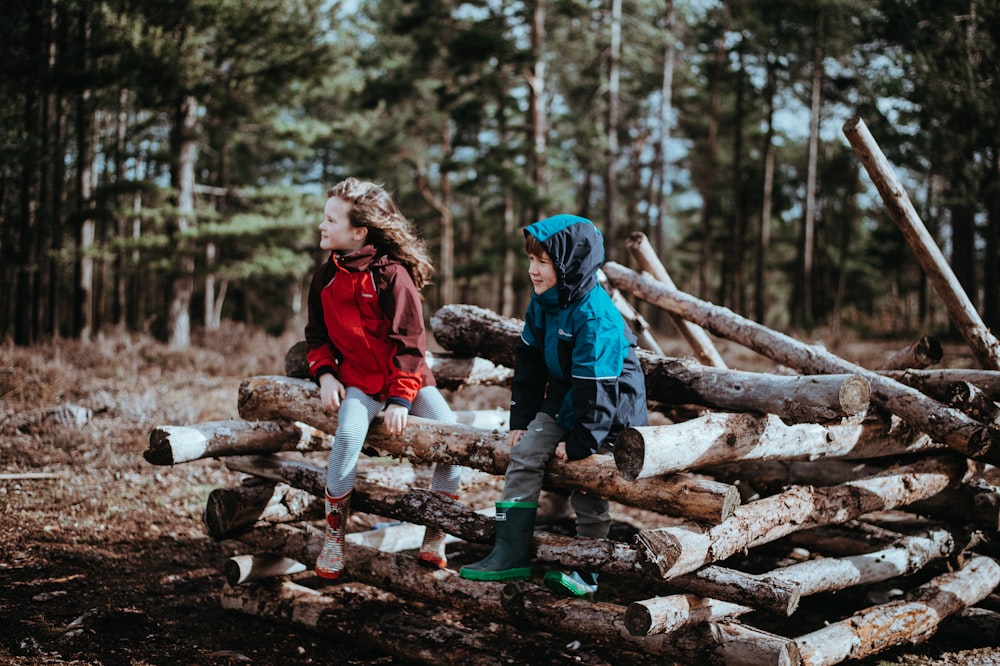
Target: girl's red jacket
(366,326)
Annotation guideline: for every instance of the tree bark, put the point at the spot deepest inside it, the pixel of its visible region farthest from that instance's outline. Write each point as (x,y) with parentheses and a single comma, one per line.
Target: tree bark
(974,403)
(717,438)
(423,441)
(169,445)
(665,615)
(922,353)
(680,549)
(942,423)
(912,620)
(935,383)
(709,643)
(985,347)
(468,329)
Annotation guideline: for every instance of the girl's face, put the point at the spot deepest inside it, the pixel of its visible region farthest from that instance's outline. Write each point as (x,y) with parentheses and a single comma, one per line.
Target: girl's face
(336,234)
(542,272)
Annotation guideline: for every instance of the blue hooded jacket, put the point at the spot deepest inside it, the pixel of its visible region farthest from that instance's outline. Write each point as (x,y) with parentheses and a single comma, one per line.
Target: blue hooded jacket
(576,359)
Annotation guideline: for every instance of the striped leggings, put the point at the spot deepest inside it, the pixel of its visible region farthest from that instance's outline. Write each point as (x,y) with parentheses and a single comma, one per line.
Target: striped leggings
(356,413)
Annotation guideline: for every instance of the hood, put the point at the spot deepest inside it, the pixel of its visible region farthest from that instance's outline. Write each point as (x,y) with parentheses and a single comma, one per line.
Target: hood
(576,247)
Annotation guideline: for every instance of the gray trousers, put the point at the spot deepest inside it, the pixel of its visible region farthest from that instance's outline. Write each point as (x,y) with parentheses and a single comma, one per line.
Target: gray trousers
(523,481)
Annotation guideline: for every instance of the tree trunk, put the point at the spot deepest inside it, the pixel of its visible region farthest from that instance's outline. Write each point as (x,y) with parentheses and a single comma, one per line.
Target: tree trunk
(684,548)
(972,402)
(944,424)
(984,345)
(716,438)
(170,445)
(470,330)
(230,510)
(922,353)
(267,398)
(182,286)
(937,383)
(912,620)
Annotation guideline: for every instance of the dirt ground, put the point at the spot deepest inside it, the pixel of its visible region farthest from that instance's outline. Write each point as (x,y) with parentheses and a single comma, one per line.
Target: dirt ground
(103,556)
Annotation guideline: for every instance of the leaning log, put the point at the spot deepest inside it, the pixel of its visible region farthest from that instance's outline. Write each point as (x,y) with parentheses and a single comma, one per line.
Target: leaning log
(680,549)
(717,438)
(912,620)
(170,444)
(985,346)
(424,441)
(922,353)
(941,422)
(699,341)
(678,381)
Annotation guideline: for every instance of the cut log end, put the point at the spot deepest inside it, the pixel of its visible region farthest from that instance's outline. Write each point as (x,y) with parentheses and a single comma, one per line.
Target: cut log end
(855,395)
(638,619)
(630,451)
(159,452)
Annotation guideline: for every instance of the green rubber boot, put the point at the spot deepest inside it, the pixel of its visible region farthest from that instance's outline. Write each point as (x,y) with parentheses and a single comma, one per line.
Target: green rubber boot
(574,583)
(513,547)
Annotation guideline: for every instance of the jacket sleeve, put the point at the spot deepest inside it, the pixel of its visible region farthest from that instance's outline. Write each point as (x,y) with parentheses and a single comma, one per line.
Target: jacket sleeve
(530,378)
(321,355)
(400,302)
(597,366)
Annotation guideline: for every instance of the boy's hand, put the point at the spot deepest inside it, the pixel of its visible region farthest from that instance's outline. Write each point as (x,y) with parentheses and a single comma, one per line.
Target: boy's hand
(331,391)
(560,452)
(513,437)
(395,419)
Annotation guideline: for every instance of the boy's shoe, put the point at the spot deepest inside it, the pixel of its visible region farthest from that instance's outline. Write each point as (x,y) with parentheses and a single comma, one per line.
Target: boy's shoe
(580,585)
(512,548)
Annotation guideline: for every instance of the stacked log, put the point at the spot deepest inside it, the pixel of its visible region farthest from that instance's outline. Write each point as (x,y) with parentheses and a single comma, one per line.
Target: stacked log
(779,492)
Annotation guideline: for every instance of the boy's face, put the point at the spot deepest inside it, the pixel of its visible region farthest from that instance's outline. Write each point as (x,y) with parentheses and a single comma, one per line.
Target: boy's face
(542,272)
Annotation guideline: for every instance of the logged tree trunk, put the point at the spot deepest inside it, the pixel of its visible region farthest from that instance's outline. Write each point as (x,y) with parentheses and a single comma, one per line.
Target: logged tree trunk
(246,568)
(973,402)
(942,423)
(169,445)
(680,549)
(769,477)
(796,399)
(699,341)
(665,615)
(716,438)
(922,353)
(709,643)
(675,381)
(912,620)
(828,574)
(366,615)
(984,345)
(450,372)
(425,441)
(936,382)
(229,510)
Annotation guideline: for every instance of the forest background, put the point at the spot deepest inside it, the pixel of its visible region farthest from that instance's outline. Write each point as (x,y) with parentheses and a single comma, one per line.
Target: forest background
(163,164)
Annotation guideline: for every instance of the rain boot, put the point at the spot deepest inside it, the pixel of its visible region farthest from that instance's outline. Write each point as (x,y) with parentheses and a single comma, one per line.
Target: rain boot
(432,549)
(512,548)
(330,562)
(574,583)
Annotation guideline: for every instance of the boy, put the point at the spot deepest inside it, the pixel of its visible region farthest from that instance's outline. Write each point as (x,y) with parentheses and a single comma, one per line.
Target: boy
(577,384)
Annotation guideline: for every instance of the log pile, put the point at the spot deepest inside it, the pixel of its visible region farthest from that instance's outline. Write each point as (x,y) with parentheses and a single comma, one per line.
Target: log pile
(776,495)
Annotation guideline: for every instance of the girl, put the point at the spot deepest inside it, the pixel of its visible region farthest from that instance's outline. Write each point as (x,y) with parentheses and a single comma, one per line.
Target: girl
(366,345)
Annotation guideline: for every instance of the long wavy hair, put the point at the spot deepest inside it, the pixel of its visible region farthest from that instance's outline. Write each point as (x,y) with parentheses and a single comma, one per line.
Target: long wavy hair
(388,229)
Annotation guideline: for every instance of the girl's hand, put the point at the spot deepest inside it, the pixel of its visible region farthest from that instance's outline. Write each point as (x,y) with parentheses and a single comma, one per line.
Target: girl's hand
(331,391)
(395,419)
(513,437)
